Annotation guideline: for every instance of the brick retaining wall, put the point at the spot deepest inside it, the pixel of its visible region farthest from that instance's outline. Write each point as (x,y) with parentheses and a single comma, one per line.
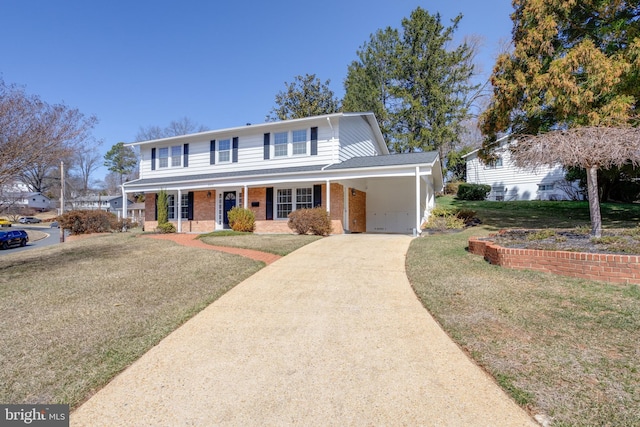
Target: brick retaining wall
(602,267)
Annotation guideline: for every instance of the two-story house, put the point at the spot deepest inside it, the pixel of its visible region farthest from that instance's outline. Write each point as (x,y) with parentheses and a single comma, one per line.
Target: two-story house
(337,161)
(509,182)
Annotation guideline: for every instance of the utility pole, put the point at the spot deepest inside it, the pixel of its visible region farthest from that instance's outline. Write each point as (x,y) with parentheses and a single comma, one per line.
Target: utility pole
(61,199)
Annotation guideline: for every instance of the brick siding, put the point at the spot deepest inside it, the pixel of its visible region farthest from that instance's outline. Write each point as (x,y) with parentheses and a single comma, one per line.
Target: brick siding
(603,267)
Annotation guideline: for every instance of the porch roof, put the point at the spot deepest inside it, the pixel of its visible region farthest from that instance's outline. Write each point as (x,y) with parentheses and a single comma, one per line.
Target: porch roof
(361,163)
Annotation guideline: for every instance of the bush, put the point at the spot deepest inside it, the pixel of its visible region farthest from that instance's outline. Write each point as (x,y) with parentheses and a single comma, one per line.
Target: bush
(125,224)
(315,221)
(241,219)
(85,222)
(452,187)
(165,228)
(468,191)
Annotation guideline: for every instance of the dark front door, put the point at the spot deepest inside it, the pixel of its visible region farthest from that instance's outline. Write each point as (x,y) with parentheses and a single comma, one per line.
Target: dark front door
(229,203)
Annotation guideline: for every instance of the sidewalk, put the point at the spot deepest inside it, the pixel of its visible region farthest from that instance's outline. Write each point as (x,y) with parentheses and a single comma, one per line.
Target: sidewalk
(331,334)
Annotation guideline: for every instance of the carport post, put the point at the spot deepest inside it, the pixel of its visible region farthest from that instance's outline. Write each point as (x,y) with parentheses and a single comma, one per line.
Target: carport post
(329,197)
(418,217)
(178,204)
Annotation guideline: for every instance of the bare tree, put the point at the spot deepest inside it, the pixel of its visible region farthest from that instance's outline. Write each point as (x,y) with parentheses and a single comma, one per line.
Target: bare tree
(87,160)
(33,131)
(183,126)
(588,147)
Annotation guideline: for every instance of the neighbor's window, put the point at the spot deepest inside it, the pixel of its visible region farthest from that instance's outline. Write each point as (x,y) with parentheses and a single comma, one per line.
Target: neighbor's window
(176,152)
(163,157)
(497,163)
(284,204)
(545,187)
(304,198)
(280,144)
(299,142)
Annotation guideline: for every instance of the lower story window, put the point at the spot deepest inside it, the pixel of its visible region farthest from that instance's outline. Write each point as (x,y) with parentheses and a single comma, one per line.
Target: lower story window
(304,198)
(284,203)
(184,206)
(288,200)
(171,206)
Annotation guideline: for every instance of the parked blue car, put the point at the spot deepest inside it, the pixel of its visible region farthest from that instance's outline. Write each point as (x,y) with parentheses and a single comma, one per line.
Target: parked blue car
(13,238)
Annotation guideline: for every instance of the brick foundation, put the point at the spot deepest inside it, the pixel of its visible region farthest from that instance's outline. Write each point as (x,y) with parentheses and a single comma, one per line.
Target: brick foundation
(603,267)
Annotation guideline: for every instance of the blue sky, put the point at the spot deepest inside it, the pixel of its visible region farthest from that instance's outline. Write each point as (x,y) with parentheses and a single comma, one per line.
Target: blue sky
(140,63)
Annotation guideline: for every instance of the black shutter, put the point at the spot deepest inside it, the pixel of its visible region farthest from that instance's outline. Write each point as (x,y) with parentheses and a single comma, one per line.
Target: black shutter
(153,159)
(185,155)
(190,206)
(235,150)
(155,215)
(269,202)
(314,141)
(266,146)
(317,195)
(212,152)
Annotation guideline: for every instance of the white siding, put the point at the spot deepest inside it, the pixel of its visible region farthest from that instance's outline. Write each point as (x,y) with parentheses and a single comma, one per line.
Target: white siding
(250,153)
(519,184)
(356,138)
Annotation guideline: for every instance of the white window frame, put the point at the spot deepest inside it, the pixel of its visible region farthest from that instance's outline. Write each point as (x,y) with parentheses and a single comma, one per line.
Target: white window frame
(278,144)
(163,157)
(546,187)
(295,200)
(171,207)
(176,156)
(494,164)
(299,142)
(184,206)
(224,154)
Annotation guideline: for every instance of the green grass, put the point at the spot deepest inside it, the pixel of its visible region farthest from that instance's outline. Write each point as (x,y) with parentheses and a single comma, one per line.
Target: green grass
(563,347)
(279,244)
(545,214)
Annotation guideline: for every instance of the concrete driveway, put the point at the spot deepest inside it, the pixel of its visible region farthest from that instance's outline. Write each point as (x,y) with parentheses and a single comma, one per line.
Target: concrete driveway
(331,334)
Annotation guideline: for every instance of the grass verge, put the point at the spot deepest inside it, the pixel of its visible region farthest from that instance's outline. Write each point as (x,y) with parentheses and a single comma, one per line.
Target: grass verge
(74,315)
(545,214)
(279,244)
(564,347)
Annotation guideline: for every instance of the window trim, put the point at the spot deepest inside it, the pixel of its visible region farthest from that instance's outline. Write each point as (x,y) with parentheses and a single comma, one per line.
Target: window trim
(295,204)
(280,144)
(295,143)
(226,151)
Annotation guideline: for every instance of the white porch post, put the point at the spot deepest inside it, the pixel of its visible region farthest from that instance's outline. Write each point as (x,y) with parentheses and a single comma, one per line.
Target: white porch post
(418,216)
(245,197)
(124,204)
(328,197)
(178,207)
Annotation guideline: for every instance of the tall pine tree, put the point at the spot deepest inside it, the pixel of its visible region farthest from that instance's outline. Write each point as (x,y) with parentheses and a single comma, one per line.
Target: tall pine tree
(415,84)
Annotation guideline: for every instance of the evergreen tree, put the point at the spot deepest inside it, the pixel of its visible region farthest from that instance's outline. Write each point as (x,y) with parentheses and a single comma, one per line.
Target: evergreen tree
(121,159)
(306,96)
(417,87)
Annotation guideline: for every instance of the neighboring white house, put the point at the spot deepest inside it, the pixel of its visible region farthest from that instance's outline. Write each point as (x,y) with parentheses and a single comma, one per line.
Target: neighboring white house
(105,203)
(509,182)
(275,168)
(31,200)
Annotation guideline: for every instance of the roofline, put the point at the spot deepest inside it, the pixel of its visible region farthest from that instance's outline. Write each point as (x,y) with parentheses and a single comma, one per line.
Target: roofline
(499,140)
(267,125)
(320,172)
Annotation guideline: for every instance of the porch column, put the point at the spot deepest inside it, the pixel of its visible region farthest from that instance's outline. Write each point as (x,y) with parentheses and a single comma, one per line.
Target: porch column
(124,204)
(328,197)
(245,199)
(418,216)
(178,207)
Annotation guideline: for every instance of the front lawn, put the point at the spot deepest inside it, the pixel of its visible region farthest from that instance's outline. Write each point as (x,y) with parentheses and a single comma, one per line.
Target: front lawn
(563,347)
(74,315)
(279,244)
(545,214)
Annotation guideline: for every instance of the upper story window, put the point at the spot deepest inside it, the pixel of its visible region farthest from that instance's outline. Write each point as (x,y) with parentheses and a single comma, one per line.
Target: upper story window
(163,157)
(545,187)
(281,144)
(176,151)
(224,151)
(497,163)
(170,156)
(299,142)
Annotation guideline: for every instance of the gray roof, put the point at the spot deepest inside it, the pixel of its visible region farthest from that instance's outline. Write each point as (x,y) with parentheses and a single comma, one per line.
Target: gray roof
(353,163)
(390,160)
